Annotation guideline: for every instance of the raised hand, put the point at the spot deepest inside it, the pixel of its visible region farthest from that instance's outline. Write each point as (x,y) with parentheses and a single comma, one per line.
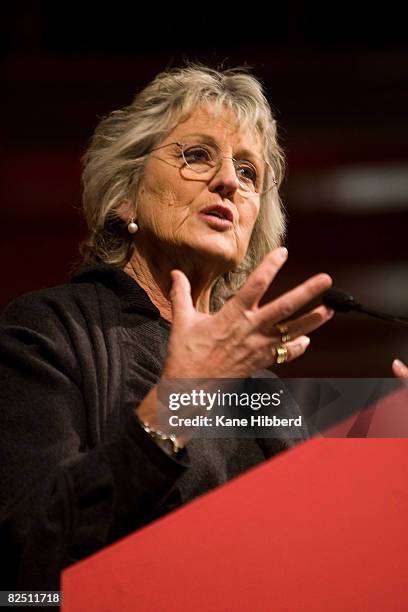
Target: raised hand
(241,337)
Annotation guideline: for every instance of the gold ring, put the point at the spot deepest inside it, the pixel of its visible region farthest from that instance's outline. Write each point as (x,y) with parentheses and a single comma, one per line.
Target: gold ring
(284,332)
(281,354)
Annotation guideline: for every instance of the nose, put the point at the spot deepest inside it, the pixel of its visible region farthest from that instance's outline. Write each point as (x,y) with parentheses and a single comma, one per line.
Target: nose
(224,180)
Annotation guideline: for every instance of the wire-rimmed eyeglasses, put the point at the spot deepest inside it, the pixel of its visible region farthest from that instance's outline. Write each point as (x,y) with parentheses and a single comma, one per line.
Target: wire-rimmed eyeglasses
(204,160)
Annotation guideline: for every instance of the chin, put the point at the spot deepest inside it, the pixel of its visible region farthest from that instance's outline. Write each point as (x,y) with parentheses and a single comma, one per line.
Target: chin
(222,252)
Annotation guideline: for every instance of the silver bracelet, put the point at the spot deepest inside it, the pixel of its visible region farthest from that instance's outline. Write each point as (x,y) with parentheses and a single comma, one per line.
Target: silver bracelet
(168,443)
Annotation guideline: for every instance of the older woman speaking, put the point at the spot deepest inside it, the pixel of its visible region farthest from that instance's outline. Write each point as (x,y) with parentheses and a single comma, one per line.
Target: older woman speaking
(181,200)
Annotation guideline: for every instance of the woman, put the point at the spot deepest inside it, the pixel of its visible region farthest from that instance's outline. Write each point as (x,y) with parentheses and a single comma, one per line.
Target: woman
(181,200)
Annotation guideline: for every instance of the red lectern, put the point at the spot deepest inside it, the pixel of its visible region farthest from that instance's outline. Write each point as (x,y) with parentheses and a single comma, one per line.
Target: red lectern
(322,527)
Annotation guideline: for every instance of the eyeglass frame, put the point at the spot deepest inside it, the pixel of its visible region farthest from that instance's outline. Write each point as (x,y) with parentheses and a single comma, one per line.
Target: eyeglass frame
(182,145)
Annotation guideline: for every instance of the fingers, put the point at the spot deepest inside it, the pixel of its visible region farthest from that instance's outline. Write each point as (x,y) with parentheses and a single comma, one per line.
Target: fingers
(295,348)
(180,296)
(308,322)
(400,369)
(259,280)
(284,306)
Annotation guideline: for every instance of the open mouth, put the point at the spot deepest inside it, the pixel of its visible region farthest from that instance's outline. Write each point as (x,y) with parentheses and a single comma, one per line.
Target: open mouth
(218,212)
(215,214)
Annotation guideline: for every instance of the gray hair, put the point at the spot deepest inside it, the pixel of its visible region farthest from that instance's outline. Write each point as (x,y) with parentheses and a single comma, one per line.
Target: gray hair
(114,161)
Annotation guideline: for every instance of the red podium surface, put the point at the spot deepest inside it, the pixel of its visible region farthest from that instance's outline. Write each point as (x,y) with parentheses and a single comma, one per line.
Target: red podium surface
(322,527)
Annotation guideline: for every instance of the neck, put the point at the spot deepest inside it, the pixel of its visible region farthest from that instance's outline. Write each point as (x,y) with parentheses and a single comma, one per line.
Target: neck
(156,280)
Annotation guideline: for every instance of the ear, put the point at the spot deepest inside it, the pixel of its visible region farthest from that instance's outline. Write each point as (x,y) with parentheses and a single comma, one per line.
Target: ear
(126,211)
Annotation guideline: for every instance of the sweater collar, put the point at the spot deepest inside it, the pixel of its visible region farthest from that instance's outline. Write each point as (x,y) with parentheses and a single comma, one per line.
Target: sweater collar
(130,293)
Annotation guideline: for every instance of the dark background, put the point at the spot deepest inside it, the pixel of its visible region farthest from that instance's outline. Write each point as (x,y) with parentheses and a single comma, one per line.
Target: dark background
(337,77)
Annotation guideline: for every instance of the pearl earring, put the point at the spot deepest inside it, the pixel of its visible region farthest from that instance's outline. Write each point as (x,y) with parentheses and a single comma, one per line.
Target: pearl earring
(132,227)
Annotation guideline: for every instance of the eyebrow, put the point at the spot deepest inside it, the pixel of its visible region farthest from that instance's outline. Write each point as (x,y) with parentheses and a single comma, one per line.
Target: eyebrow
(207,139)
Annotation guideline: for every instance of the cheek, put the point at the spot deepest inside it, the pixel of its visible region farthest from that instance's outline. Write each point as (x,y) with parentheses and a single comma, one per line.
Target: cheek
(156,206)
(248,217)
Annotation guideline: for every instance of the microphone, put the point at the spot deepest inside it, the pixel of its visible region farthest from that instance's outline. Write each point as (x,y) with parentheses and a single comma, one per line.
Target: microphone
(340,301)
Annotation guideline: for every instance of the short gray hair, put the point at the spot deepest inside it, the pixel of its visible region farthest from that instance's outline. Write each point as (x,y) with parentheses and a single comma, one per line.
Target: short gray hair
(114,161)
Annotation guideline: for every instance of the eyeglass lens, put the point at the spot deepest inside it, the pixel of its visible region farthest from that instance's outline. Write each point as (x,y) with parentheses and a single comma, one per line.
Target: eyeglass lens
(204,159)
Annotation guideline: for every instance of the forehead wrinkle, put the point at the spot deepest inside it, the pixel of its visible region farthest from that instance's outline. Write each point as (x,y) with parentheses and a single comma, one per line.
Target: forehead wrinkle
(209,139)
(224,118)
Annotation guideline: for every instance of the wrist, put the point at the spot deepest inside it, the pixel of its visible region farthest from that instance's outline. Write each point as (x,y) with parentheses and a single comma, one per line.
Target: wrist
(146,415)
(168,442)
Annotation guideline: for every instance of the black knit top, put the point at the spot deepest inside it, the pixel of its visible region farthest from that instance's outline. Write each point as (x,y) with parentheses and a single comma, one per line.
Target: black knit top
(77,471)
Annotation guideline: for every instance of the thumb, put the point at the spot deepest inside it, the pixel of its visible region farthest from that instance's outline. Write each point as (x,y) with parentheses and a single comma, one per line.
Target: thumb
(400,369)
(180,295)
